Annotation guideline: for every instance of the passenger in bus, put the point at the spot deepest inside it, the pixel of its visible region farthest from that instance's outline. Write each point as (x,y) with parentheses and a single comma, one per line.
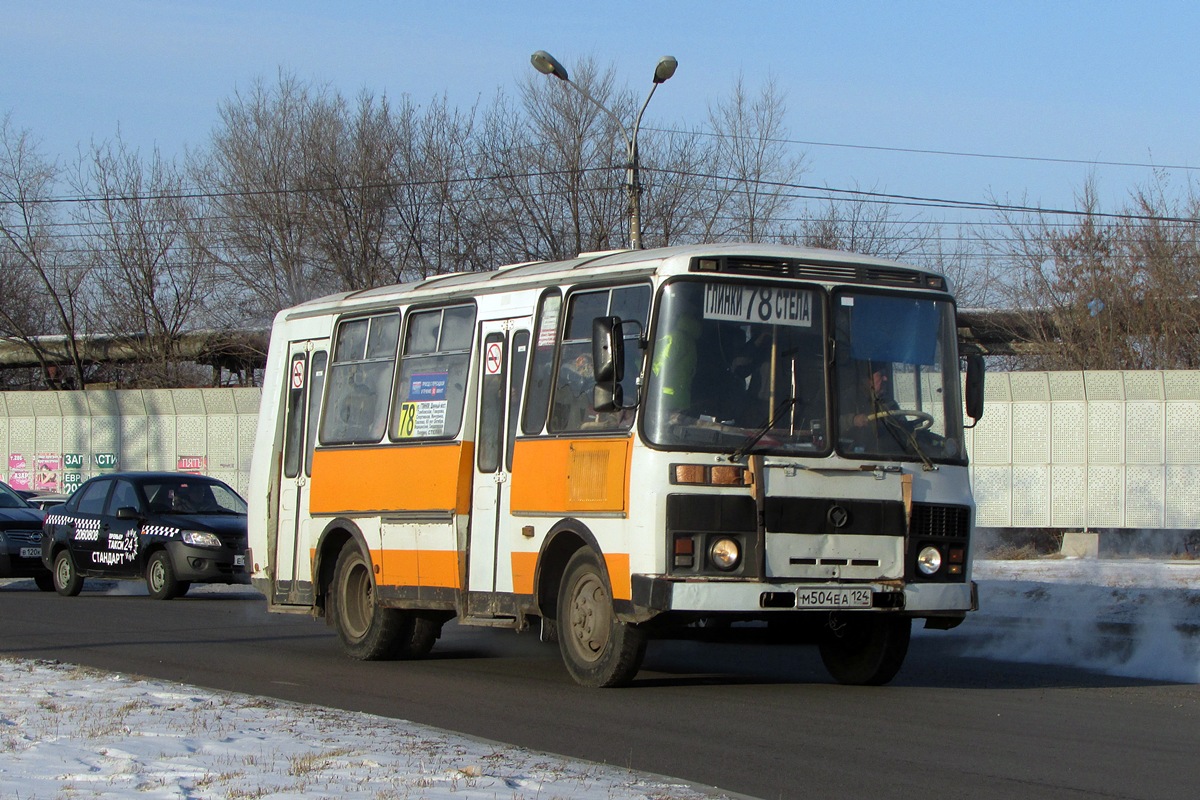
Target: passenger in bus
(573,396)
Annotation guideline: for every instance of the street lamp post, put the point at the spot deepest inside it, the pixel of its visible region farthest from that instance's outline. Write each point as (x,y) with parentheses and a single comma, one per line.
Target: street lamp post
(546,64)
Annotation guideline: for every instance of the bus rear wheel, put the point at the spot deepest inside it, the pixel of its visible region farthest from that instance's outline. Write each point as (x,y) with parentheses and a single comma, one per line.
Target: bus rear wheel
(865,649)
(370,632)
(597,648)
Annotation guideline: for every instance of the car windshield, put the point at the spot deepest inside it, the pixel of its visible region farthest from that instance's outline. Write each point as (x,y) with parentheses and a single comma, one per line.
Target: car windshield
(192,496)
(10,499)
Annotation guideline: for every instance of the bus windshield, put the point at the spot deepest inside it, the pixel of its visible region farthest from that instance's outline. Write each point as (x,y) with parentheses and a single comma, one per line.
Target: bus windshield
(896,380)
(742,367)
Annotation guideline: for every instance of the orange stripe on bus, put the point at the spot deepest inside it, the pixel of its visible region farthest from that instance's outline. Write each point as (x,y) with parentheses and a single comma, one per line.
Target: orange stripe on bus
(392,478)
(524,566)
(618,575)
(420,568)
(571,475)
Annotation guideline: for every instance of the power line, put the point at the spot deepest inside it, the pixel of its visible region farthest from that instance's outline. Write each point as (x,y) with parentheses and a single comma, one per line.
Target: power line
(952,153)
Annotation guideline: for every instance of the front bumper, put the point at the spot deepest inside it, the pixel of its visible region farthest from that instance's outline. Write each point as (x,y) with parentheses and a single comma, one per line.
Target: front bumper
(209,565)
(12,563)
(661,594)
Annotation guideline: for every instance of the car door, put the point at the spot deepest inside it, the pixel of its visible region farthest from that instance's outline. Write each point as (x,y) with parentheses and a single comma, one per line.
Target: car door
(85,536)
(124,542)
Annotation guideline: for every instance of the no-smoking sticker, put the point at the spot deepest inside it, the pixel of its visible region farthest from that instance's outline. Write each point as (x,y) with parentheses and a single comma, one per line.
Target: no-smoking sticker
(298,374)
(492,359)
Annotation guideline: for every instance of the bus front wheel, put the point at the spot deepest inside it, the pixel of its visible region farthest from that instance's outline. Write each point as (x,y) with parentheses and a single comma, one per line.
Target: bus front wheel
(865,649)
(370,632)
(597,648)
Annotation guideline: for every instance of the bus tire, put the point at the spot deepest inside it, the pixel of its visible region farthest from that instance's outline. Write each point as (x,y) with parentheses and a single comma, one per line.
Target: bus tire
(865,649)
(368,631)
(67,580)
(425,633)
(597,648)
(161,582)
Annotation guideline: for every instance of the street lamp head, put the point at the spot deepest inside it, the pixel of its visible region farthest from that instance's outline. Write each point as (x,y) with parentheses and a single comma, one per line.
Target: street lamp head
(665,69)
(547,64)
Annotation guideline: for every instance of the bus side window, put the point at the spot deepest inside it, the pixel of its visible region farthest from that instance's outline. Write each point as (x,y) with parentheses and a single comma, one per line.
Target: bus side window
(316,387)
(542,363)
(433,373)
(360,380)
(572,407)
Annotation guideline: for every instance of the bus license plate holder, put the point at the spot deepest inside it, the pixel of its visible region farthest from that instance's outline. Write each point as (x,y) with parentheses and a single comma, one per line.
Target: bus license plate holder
(855,597)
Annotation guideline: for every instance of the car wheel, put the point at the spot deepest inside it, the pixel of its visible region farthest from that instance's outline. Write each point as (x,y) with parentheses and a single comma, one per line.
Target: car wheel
(597,648)
(160,577)
(67,580)
(45,581)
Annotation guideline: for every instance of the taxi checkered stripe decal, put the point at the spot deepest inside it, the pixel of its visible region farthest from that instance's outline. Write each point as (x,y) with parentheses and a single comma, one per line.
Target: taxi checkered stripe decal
(80,524)
(159,530)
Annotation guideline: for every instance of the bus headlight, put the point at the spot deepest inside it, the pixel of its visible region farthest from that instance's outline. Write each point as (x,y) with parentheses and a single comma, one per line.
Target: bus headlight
(929,560)
(725,553)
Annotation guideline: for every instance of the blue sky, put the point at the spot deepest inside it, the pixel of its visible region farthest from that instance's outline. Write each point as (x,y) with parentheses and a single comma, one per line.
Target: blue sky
(1090,82)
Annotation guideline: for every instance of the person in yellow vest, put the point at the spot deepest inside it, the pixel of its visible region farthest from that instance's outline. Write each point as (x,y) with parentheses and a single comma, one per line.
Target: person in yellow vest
(675,357)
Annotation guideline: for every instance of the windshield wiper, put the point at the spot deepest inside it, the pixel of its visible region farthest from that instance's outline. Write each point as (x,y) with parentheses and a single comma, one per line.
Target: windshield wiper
(903,435)
(741,452)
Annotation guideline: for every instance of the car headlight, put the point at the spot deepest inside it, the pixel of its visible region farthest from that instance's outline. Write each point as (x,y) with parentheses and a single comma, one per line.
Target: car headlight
(201,539)
(725,553)
(929,560)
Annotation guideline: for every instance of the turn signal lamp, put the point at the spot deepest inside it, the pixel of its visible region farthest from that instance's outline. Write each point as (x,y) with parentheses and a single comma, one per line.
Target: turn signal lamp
(705,475)
(685,551)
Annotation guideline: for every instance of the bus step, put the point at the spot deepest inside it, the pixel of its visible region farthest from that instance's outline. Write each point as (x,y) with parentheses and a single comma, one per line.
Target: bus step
(489,622)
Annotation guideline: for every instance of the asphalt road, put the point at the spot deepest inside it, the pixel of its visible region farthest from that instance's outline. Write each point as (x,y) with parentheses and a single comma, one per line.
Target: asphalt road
(761,721)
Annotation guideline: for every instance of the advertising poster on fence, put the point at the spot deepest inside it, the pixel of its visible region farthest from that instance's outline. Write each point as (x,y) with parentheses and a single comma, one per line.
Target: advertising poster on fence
(49,467)
(18,472)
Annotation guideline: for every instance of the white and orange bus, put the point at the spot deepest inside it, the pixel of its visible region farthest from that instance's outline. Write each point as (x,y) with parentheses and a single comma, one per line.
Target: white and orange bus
(712,441)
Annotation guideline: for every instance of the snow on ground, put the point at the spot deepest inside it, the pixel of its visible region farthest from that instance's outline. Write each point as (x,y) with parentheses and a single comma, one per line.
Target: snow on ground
(70,732)
(1131,617)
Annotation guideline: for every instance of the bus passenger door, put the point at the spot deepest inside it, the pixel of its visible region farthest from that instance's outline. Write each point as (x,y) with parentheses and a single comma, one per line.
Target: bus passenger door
(505,352)
(292,580)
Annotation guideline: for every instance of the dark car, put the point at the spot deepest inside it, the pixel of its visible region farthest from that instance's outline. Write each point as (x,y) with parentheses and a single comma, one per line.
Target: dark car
(171,529)
(20,539)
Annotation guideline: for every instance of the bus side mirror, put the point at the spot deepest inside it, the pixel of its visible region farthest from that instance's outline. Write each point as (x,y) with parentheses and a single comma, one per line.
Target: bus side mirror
(974,388)
(608,363)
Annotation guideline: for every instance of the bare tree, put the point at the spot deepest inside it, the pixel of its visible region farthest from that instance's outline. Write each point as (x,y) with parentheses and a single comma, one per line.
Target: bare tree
(260,173)
(150,276)
(859,225)
(675,204)
(45,281)
(440,203)
(1109,291)
(352,153)
(558,163)
(753,171)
